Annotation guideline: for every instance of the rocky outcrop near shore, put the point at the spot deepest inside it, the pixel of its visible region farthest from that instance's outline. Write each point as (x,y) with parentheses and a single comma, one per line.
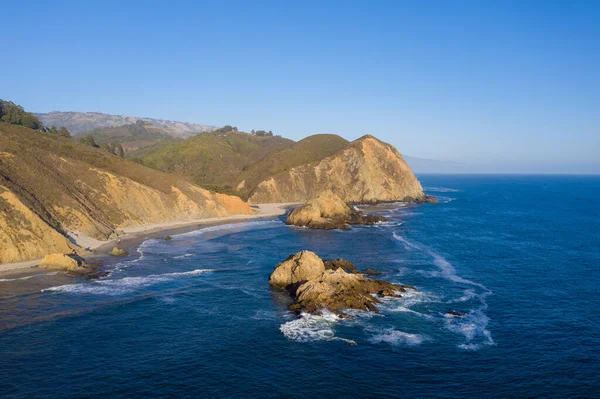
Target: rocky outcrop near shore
(54,190)
(316,285)
(366,170)
(69,263)
(328,211)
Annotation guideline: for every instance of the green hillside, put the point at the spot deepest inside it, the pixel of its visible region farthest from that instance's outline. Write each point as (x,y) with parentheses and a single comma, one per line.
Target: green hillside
(214,160)
(310,149)
(132,137)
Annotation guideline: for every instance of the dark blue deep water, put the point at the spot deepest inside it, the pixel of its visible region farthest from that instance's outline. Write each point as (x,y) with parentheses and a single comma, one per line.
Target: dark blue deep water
(195,317)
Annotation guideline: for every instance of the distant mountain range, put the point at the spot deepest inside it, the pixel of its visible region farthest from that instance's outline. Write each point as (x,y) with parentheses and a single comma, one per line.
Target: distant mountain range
(126,130)
(81,122)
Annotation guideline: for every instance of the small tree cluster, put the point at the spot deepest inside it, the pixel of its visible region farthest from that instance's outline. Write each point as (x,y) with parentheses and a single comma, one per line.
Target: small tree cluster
(16,115)
(63,132)
(226,129)
(89,140)
(263,133)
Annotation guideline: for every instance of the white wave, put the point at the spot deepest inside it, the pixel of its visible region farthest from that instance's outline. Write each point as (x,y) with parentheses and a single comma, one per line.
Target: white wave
(183,256)
(310,328)
(473,327)
(6,280)
(449,272)
(398,338)
(122,286)
(408,299)
(468,295)
(232,226)
(264,315)
(407,244)
(445,200)
(441,189)
(169,300)
(388,224)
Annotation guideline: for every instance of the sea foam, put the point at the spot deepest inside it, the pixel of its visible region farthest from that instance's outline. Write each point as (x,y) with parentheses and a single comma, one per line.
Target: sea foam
(6,280)
(123,285)
(310,328)
(398,338)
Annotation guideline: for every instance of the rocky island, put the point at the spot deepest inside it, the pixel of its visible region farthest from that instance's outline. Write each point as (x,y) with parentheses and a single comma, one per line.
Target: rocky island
(336,285)
(328,211)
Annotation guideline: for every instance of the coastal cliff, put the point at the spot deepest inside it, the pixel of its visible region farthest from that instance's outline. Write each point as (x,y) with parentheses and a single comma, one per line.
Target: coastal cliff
(366,170)
(54,191)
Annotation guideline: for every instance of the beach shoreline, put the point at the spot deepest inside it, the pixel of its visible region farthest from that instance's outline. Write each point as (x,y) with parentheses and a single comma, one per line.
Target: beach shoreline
(137,235)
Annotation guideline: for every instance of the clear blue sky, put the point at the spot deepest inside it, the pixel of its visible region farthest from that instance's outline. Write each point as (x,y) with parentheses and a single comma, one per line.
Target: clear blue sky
(507,84)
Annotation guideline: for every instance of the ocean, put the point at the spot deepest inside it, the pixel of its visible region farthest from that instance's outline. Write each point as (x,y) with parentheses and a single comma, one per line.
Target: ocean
(195,316)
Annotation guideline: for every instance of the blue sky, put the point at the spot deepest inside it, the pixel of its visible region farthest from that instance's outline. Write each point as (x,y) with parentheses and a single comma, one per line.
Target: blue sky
(503,85)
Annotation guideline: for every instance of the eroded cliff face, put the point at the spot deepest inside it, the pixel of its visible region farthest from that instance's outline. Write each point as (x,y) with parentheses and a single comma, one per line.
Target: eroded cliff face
(366,170)
(46,198)
(23,234)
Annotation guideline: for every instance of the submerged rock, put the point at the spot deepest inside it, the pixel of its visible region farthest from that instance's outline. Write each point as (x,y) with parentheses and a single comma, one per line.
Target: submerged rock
(328,211)
(168,238)
(317,285)
(456,313)
(116,251)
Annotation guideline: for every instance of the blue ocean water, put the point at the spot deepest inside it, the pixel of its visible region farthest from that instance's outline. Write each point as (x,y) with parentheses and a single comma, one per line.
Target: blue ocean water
(195,317)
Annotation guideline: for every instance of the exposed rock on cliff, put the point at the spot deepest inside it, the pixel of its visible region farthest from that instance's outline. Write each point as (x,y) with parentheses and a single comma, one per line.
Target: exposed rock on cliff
(316,287)
(366,170)
(54,189)
(328,211)
(64,262)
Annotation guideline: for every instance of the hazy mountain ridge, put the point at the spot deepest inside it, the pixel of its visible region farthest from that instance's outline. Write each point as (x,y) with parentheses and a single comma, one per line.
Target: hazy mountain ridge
(81,122)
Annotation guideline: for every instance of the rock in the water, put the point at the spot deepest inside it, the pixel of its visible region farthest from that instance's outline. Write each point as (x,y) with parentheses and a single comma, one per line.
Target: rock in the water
(328,211)
(168,238)
(116,251)
(315,285)
(63,262)
(303,266)
(371,272)
(456,313)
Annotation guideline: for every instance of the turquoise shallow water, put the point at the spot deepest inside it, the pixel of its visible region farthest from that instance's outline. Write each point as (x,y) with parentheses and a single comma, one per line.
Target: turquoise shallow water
(195,317)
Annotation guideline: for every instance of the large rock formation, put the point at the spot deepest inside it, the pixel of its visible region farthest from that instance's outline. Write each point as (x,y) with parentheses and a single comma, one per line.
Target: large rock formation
(53,191)
(328,211)
(366,170)
(64,262)
(317,285)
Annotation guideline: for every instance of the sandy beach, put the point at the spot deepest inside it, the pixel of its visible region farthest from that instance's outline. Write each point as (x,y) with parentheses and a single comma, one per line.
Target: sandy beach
(136,235)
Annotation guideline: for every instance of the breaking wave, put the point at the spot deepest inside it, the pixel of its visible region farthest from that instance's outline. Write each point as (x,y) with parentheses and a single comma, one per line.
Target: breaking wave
(440,190)
(398,338)
(6,280)
(310,328)
(473,326)
(232,226)
(122,286)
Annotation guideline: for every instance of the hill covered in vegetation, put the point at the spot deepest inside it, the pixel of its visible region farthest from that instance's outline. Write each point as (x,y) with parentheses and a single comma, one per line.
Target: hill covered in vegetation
(15,115)
(55,190)
(214,160)
(131,137)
